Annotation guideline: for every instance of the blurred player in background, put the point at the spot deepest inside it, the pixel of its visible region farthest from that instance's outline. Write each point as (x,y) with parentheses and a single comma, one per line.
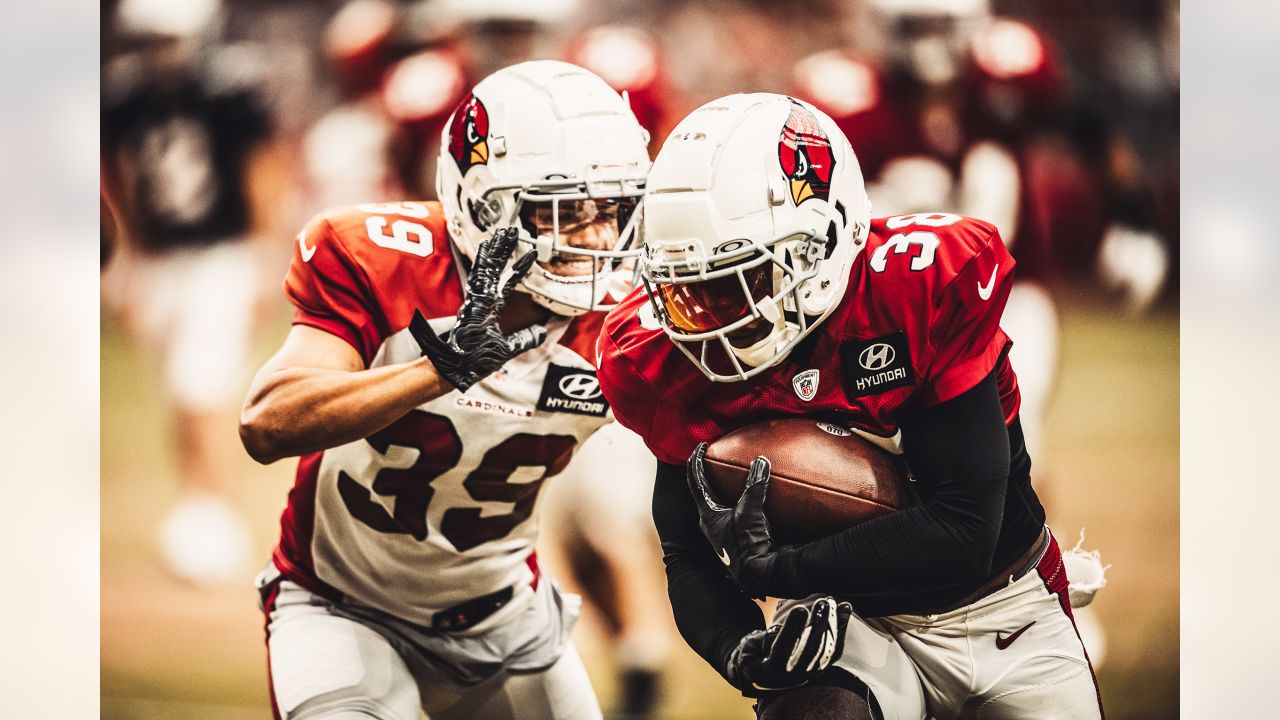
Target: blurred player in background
(940,120)
(440,368)
(348,154)
(630,60)
(605,527)
(183,125)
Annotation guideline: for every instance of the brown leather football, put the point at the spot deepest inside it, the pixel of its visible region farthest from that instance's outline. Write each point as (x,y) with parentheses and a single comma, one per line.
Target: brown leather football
(824,477)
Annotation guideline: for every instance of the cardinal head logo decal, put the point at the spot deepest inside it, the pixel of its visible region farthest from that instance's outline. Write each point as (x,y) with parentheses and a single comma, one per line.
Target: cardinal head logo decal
(804,151)
(468,134)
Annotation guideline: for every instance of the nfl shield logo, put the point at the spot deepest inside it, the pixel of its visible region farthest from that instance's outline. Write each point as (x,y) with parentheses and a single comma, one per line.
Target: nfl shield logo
(805,384)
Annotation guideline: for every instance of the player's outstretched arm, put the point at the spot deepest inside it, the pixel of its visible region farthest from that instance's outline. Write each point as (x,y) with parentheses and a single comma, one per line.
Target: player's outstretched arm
(315,393)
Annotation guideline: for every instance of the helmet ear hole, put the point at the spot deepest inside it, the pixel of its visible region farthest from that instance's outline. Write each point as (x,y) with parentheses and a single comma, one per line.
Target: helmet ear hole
(831,238)
(477,216)
(528,225)
(485,214)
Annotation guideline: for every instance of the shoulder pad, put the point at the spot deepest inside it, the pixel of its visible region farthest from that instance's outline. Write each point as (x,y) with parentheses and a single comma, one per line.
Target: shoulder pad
(931,246)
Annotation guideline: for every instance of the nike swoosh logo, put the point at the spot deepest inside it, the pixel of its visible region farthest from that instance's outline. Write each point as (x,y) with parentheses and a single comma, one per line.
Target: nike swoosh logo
(985,292)
(1002,643)
(724,557)
(307,252)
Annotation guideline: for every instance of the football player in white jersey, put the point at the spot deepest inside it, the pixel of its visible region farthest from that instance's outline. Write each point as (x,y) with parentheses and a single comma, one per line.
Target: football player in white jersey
(441,366)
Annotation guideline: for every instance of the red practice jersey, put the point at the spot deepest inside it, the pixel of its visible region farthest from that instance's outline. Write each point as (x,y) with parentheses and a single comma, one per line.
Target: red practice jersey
(918,324)
(437,508)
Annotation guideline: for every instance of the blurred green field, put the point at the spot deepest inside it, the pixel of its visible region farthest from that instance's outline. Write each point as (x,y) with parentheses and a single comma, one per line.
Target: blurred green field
(174,651)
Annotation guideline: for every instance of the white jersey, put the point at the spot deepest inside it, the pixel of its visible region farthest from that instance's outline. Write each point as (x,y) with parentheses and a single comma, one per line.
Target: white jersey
(440,507)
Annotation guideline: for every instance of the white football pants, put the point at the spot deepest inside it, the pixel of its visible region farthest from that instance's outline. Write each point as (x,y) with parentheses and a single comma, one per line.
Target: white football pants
(328,667)
(1013,655)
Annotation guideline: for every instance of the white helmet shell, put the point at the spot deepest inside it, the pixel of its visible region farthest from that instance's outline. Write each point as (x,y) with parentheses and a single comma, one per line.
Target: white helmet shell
(542,131)
(946,8)
(752,182)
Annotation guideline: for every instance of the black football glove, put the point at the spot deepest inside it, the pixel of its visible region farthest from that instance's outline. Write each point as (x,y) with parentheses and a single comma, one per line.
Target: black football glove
(740,534)
(791,654)
(475,347)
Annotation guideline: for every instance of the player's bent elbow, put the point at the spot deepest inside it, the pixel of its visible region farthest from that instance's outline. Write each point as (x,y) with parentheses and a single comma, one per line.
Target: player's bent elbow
(971,562)
(258,438)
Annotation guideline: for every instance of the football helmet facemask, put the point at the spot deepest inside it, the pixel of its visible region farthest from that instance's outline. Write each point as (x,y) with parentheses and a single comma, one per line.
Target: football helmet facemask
(754,212)
(548,147)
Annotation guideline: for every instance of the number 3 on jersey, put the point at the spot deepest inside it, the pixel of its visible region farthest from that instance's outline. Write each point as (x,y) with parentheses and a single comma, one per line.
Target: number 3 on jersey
(902,242)
(439,450)
(406,235)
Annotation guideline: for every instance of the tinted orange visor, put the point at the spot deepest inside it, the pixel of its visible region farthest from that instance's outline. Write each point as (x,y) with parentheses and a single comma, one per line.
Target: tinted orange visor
(713,304)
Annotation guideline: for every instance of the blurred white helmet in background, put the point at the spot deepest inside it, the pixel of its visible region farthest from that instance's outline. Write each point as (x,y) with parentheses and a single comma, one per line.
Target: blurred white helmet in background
(950,8)
(754,212)
(550,147)
(166,18)
(929,38)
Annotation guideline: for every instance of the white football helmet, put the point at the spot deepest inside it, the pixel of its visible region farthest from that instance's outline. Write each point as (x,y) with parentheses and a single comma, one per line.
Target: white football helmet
(551,148)
(754,212)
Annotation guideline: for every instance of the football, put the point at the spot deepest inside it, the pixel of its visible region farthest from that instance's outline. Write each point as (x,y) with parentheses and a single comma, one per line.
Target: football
(824,477)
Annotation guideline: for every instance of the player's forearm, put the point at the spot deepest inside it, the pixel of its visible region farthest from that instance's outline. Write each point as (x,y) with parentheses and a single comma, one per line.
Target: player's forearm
(904,553)
(296,411)
(711,611)
(959,451)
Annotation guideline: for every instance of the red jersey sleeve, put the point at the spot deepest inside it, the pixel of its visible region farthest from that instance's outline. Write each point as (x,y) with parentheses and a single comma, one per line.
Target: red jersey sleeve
(329,289)
(966,332)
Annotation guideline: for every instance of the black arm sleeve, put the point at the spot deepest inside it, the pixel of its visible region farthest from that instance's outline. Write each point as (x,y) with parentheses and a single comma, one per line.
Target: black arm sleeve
(959,453)
(711,610)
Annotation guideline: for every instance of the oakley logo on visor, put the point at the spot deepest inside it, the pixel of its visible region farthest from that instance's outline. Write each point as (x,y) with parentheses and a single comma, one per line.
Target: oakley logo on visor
(729,246)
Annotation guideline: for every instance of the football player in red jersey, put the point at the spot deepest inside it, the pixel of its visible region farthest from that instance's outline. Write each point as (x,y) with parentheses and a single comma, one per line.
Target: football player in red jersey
(771,292)
(439,369)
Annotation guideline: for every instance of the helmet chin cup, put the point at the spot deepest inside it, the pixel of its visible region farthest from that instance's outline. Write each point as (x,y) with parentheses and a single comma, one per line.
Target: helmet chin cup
(765,349)
(543,244)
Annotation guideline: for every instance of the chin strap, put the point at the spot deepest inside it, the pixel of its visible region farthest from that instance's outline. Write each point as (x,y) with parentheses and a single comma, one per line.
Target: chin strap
(766,349)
